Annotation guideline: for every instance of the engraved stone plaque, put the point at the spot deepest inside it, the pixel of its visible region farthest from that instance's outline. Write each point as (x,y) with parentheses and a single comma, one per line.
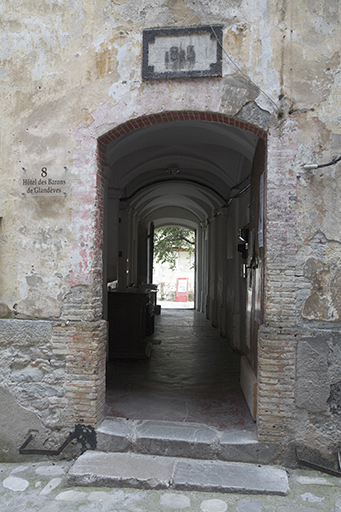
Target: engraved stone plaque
(182,52)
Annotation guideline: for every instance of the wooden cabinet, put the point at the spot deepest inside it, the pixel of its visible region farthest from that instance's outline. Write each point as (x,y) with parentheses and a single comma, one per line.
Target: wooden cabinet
(131,318)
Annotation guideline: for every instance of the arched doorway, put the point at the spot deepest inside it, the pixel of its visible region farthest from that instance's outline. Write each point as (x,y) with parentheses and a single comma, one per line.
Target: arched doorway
(196,168)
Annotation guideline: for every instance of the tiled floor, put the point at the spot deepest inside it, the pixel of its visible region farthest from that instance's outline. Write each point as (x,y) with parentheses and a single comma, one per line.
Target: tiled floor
(192,376)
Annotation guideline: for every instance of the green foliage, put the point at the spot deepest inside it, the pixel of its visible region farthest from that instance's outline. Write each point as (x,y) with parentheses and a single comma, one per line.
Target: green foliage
(169,240)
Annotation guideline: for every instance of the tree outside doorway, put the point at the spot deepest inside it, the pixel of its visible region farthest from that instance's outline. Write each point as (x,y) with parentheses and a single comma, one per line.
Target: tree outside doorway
(174,265)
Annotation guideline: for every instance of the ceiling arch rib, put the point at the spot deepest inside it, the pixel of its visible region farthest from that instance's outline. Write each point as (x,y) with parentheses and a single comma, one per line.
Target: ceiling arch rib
(197,199)
(177,184)
(173,216)
(204,170)
(153,212)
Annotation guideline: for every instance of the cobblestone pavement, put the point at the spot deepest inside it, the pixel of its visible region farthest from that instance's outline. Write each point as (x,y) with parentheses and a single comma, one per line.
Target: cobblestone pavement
(43,487)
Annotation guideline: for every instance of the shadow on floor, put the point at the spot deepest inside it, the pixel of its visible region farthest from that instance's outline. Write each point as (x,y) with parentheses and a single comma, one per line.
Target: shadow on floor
(191,376)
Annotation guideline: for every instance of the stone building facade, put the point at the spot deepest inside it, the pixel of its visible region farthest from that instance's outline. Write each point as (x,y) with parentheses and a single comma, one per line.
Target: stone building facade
(93,153)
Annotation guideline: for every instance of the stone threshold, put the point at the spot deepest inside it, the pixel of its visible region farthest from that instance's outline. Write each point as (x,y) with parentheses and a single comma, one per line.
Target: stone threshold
(99,469)
(189,440)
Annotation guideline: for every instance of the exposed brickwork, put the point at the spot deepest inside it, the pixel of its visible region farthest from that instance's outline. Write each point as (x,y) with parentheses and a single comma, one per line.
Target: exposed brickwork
(82,303)
(98,241)
(276,382)
(83,345)
(278,336)
(281,231)
(166,117)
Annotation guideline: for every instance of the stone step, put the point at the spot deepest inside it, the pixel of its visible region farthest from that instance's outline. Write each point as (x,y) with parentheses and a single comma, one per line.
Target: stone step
(189,440)
(99,469)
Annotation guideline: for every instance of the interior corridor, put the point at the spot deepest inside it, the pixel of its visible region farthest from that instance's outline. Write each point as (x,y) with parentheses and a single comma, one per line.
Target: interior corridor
(191,376)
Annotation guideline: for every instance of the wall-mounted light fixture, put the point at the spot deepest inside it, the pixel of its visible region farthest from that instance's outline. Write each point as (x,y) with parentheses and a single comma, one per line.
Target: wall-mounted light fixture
(243,235)
(173,169)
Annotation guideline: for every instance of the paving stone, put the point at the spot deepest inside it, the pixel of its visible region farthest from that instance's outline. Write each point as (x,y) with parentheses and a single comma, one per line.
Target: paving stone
(19,469)
(118,496)
(338,504)
(176,439)
(153,472)
(99,497)
(296,508)
(15,484)
(309,480)
(52,470)
(129,499)
(213,506)
(224,477)
(17,504)
(308,496)
(177,501)
(121,470)
(50,508)
(115,435)
(53,484)
(70,495)
(247,505)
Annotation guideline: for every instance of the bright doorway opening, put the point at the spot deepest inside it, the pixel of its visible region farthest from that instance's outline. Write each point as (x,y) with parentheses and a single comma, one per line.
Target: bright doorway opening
(174,267)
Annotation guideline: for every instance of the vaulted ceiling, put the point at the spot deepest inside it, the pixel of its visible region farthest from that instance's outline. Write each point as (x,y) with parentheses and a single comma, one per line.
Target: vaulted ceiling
(180,171)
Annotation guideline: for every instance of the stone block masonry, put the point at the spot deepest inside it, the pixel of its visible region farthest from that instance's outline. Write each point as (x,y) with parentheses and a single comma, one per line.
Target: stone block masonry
(30,371)
(55,372)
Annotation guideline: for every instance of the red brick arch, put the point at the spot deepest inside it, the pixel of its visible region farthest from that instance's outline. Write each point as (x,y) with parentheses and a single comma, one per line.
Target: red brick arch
(167,117)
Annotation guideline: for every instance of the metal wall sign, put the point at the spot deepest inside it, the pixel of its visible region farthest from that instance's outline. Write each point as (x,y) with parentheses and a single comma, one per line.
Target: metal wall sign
(182,52)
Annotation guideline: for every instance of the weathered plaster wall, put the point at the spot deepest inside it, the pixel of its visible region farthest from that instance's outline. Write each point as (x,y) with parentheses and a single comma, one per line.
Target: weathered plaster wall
(300,397)
(71,71)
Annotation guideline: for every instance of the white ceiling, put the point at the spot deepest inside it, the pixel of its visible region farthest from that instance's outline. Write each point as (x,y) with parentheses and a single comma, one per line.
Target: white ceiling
(180,170)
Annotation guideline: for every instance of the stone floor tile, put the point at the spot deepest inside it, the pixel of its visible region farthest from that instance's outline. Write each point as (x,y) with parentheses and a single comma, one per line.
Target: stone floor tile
(15,484)
(175,501)
(121,469)
(306,480)
(53,484)
(311,498)
(214,505)
(99,497)
(223,477)
(250,505)
(70,495)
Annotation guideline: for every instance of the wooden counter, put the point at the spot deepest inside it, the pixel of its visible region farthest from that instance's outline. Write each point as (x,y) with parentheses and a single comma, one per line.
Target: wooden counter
(131,315)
